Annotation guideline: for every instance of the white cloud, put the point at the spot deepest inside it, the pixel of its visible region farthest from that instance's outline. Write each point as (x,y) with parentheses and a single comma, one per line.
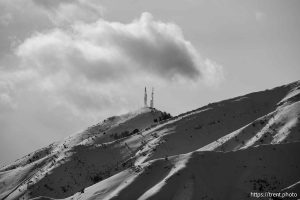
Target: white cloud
(106,50)
(75,63)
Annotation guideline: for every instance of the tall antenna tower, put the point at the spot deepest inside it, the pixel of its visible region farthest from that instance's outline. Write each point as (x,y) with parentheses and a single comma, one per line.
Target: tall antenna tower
(145,98)
(152,98)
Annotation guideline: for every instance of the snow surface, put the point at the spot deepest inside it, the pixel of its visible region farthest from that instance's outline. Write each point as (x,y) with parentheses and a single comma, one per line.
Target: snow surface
(224,150)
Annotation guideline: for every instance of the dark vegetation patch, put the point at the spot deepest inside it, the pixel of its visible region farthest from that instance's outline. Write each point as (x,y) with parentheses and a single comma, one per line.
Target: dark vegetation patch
(124,134)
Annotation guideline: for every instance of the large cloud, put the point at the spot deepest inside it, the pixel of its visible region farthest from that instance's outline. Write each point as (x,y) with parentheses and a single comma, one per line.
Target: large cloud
(110,49)
(95,66)
(74,63)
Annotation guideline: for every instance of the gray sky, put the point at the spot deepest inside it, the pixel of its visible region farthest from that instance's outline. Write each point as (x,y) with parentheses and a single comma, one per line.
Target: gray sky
(65,65)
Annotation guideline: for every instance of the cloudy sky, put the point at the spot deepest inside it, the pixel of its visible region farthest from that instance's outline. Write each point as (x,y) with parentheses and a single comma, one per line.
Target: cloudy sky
(67,64)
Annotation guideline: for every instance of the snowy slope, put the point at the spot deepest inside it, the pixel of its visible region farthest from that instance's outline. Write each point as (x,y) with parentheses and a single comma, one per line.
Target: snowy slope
(251,140)
(80,160)
(270,116)
(204,175)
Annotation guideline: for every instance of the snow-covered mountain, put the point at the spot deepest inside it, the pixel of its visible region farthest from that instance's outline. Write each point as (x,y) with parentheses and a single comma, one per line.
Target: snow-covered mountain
(224,150)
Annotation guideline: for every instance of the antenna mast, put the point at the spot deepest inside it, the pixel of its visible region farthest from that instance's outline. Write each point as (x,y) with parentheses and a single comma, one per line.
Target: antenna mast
(152,99)
(145,98)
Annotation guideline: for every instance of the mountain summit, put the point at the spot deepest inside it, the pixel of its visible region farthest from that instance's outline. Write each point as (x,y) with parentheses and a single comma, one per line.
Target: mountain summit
(224,150)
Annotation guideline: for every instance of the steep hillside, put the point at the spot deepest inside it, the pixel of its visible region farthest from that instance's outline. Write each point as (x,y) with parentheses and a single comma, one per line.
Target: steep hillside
(80,160)
(204,175)
(251,140)
(266,117)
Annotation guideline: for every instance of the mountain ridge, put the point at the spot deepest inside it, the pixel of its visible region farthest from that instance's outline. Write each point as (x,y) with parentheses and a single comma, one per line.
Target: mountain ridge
(124,146)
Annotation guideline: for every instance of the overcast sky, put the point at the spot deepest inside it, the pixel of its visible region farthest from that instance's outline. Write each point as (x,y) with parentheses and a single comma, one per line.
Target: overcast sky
(68,64)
